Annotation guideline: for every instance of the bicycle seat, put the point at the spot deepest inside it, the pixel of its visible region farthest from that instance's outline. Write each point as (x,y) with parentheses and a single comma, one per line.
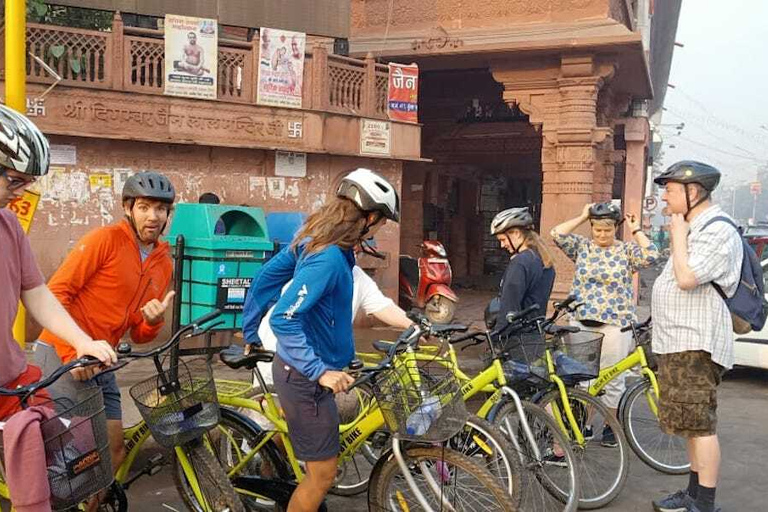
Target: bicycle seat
(234,357)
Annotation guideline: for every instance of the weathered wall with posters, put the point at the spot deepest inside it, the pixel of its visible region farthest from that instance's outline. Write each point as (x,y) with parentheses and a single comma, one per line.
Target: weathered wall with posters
(84,194)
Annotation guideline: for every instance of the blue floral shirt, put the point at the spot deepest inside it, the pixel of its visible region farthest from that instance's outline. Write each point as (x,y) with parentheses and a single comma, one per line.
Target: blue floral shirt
(603,277)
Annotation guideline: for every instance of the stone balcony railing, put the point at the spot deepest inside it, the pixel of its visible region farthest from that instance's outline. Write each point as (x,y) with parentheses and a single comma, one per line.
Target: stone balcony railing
(132,60)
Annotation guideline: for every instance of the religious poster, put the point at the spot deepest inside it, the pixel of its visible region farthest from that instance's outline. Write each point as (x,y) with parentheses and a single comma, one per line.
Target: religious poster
(403,97)
(281,68)
(191,56)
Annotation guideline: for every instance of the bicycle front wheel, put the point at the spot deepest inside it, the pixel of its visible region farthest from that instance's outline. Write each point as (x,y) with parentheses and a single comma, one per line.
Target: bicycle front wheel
(603,469)
(550,482)
(214,485)
(661,451)
(443,476)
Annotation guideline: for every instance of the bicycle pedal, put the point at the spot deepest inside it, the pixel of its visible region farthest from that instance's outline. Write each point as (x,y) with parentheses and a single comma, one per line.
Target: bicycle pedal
(156,460)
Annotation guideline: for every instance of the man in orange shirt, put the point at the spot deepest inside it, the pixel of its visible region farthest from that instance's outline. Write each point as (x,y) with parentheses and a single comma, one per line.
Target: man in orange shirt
(114,281)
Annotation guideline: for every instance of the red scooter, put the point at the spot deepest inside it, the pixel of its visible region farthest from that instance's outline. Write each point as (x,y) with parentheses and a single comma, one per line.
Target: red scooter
(426,283)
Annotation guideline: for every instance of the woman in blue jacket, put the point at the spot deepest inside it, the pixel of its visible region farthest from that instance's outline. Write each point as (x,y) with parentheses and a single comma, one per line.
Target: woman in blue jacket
(312,321)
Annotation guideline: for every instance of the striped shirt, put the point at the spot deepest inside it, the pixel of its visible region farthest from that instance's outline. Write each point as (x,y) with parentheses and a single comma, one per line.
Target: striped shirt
(698,319)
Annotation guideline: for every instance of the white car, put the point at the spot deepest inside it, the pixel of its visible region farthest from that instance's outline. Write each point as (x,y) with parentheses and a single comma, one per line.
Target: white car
(752,349)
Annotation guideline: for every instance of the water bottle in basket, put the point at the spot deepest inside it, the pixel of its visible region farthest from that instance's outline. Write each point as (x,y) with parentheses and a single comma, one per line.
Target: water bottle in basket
(421,419)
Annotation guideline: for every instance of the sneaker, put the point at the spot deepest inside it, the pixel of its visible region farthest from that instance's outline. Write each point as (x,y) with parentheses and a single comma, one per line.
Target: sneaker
(609,438)
(588,433)
(551,459)
(680,501)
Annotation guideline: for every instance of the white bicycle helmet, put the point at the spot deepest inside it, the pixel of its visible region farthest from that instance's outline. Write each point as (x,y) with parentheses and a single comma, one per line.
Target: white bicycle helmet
(511,218)
(371,193)
(23,147)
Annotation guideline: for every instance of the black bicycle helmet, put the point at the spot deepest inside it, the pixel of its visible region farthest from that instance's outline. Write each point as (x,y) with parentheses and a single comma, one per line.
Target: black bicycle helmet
(150,185)
(689,171)
(23,147)
(511,218)
(606,210)
(371,193)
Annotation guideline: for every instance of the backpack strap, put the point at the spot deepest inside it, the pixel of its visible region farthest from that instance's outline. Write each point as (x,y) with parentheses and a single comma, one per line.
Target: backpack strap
(721,218)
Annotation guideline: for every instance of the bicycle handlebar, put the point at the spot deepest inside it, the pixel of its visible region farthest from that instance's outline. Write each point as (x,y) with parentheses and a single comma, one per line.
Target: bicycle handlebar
(194,325)
(637,327)
(514,317)
(31,389)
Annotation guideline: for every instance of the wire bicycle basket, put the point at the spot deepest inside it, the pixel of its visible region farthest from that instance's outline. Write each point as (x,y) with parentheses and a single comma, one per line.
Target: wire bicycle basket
(76,445)
(178,404)
(577,355)
(421,400)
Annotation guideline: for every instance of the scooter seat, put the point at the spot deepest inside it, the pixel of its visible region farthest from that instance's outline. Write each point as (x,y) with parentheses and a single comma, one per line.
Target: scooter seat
(234,357)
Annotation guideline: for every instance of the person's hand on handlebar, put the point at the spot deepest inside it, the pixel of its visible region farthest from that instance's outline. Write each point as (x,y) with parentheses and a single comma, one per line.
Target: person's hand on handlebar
(336,381)
(99,349)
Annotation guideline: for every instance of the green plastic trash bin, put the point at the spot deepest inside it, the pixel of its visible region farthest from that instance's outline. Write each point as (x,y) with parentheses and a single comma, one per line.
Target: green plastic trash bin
(223,247)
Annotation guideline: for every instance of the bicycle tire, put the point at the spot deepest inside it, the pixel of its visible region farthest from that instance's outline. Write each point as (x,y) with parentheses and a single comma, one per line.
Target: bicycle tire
(546,487)
(485,441)
(593,496)
(633,415)
(244,432)
(384,476)
(213,480)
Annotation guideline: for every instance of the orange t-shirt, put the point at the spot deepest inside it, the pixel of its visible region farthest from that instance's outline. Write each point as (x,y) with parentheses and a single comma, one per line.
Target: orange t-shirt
(103,284)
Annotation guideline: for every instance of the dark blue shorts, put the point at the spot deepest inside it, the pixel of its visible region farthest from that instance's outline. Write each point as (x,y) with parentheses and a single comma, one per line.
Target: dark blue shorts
(67,387)
(311,413)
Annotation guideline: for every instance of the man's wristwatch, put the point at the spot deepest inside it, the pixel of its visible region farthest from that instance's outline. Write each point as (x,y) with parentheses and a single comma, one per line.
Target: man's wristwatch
(636,231)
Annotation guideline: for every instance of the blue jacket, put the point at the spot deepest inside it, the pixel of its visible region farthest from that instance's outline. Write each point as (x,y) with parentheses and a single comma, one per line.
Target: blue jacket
(312,320)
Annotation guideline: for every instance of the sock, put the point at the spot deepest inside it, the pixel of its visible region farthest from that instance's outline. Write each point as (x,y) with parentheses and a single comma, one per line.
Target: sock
(693,484)
(705,500)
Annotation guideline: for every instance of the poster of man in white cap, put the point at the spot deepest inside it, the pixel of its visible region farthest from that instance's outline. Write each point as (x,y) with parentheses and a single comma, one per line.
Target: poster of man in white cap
(191,56)
(281,68)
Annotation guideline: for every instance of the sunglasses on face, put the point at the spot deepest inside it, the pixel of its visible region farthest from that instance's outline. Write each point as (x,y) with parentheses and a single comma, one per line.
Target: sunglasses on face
(13,182)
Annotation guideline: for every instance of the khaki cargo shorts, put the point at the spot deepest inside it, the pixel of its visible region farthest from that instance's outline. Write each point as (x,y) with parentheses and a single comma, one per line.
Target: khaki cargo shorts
(688,385)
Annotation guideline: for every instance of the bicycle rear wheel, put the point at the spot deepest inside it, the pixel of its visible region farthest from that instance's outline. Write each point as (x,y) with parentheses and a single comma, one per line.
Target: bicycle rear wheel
(548,485)
(603,470)
(661,451)
(456,479)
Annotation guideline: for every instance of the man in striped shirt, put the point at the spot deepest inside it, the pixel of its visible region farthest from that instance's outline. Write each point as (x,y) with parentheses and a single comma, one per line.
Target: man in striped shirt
(692,327)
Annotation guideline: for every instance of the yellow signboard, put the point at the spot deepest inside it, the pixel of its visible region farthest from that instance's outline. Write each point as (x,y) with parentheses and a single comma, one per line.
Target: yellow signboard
(24,207)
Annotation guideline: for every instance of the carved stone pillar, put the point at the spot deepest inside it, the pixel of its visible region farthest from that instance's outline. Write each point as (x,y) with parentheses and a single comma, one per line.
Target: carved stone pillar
(562,99)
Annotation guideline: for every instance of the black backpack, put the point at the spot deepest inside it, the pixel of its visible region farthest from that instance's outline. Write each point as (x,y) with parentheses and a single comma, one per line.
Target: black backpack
(748,306)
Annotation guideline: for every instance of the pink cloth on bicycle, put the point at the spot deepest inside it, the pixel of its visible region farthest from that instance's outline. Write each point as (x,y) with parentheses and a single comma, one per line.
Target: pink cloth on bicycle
(25,464)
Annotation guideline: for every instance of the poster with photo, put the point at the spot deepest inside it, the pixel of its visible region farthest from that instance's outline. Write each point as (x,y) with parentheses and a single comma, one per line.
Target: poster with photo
(191,56)
(281,68)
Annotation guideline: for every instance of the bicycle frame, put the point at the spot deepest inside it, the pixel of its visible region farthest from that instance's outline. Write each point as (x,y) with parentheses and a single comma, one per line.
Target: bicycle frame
(636,358)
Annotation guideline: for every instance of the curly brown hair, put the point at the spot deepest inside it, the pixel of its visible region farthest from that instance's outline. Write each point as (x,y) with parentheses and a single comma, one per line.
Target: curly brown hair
(340,222)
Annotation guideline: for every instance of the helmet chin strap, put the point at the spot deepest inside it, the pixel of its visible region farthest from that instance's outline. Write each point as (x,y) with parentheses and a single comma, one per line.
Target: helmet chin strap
(364,243)
(688,201)
(515,250)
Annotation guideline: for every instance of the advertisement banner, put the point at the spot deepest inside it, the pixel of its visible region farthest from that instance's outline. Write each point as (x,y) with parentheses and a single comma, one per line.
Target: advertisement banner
(403,97)
(281,68)
(191,56)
